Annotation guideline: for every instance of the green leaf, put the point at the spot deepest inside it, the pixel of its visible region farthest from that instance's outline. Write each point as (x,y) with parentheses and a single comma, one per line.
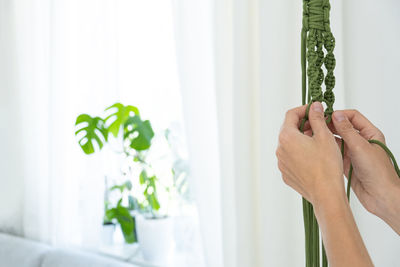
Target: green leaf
(93,132)
(124,218)
(141,130)
(119,117)
(153,201)
(127,185)
(143,177)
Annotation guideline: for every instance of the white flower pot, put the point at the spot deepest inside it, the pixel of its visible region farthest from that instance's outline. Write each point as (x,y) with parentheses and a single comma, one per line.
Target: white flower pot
(156,239)
(107,234)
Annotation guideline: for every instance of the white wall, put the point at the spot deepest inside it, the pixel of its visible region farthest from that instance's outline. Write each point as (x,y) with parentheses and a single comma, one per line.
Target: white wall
(372,71)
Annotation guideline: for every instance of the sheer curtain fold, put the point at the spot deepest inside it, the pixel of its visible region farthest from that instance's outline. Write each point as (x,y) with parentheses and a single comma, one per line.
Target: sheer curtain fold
(62,58)
(217,46)
(256,65)
(193,31)
(56,77)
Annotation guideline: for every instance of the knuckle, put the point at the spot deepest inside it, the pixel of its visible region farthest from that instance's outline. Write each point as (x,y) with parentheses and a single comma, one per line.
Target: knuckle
(288,113)
(317,117)
(355,111)
(380,135)
(285,179)
(358,148)
(346,127)
(284,137)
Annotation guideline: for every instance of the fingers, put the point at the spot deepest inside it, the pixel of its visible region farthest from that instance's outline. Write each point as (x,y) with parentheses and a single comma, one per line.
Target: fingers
(362,124)
(346,130)
(317,120)
(294,116)
(358,120)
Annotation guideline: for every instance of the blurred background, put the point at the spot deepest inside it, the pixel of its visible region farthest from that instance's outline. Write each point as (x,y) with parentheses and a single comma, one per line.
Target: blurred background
(181,170)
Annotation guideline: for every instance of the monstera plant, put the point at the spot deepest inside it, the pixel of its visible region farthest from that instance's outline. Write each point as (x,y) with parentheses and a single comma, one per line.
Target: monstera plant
(126,119)
(122,122)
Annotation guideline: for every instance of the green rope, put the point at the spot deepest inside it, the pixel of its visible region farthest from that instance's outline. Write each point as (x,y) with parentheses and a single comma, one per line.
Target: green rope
(316,36)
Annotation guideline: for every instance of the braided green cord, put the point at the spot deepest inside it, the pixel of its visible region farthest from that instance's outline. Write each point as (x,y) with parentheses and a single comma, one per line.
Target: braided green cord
(316,36)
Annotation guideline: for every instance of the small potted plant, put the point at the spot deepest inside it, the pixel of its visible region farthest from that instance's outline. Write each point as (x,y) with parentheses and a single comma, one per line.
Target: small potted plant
(154,229)
(122,214)
(123,123)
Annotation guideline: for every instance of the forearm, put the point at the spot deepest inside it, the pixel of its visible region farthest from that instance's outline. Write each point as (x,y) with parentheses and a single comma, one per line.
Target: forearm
(389,207)
(342,240)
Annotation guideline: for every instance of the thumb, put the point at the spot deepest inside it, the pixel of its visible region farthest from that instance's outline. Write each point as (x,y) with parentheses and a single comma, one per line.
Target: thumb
(346,130)
(317,119)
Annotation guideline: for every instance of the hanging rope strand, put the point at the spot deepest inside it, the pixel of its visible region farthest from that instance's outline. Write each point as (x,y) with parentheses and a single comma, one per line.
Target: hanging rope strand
(315,36)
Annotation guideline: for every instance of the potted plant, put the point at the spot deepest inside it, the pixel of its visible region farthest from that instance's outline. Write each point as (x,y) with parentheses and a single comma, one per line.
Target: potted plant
(122,214)
(154,229)
(123,123)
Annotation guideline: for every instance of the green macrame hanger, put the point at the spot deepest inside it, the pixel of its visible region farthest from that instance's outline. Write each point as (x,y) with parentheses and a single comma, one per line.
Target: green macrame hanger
(316,36)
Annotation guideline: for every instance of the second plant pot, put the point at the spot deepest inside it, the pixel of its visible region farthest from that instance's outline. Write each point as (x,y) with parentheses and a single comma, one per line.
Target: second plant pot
(156,238)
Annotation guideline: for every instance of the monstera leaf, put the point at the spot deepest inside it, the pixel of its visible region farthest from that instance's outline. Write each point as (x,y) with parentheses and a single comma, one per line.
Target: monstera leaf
(93,129)
(120,116)
(140,132)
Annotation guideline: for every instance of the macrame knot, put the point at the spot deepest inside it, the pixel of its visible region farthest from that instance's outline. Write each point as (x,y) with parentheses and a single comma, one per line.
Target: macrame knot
(329,98)
(315,13)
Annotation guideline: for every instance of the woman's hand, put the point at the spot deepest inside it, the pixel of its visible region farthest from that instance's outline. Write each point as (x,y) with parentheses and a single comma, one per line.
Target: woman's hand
(312,165)
(374,179)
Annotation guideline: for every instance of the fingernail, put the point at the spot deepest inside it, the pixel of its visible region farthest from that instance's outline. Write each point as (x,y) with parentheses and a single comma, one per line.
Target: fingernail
(339,116)
(317,106)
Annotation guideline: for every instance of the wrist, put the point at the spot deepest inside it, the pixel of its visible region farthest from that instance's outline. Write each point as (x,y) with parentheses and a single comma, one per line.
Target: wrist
(330,203)
(328,191)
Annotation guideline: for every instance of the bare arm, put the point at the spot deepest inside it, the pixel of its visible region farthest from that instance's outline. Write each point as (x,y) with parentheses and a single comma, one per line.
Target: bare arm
(342,240)
(374,181)
(313,166)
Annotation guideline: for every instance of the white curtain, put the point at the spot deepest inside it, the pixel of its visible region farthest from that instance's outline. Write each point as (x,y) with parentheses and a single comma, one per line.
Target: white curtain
(255,67)
(59,59)
(61,187)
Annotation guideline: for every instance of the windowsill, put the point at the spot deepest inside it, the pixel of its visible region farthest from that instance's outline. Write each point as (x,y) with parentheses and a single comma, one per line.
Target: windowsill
(132,254)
